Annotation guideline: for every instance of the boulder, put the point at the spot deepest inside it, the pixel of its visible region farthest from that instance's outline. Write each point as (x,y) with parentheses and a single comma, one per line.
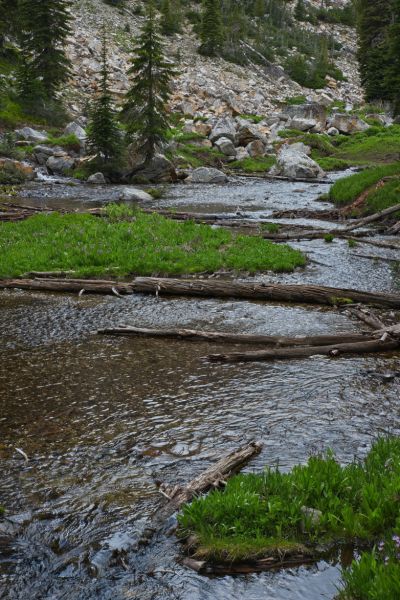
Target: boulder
(309,111)
(75,129)
(241,153)
(97,179)
(27,133)
(332,131)
(300,147)
(226,146)
(42,153)
(295,164)
(208,175)
(302,124)
(202,128)
(247,133)
(60,164)
(157,170)
(133,194)
(346,123)
(14,171)
(256,148)
(224,127)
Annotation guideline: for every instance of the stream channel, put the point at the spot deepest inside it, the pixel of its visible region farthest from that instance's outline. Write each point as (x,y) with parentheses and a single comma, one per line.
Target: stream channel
(101,419)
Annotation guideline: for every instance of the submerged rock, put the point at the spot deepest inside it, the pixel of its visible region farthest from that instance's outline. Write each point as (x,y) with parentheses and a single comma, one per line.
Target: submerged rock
(134,194)
(295,164)
(208,175)
(97,179)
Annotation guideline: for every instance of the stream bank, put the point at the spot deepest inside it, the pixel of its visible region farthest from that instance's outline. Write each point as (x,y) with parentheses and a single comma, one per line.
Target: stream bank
(102,419)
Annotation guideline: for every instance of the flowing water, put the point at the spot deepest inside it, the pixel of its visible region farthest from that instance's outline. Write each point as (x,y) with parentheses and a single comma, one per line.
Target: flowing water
(102,420)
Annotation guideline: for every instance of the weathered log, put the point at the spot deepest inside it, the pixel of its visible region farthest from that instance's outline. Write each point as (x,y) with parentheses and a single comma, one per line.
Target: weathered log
(365,347)
(304,213)
(308,294)
(67,285)
(235,338)
(308,234)
(378,244)
(372,218)
(367,316)
(250,566)
(394,229)
(212,477)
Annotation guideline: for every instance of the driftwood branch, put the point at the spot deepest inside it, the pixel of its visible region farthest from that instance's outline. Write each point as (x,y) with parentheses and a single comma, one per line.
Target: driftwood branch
(226,467)
(385,344)
(239,338)
(372,218)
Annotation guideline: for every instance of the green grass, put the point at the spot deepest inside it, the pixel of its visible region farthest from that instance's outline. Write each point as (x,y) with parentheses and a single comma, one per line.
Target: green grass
(253,165)
(330,163)
(255,512)
(349,189)
(191,155)
(290,133)
(270,227)
(252,118)
(129,241)
(376,576)
(295,100)
(69,142)
(376,145)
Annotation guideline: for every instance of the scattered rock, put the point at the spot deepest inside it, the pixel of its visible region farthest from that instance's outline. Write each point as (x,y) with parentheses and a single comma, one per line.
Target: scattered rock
(296,165)
(41,153)
(332,131)
(348,123)
(241,153)
(97,179)
(300,147)
(223,128)
(27,133)
(202,128)
(134,194)
(60,164)
(256,149)
(75,129)
(208,175)
(302,124)
(248,133)
(17,171)
(158,170)
(310,111)
(226,146)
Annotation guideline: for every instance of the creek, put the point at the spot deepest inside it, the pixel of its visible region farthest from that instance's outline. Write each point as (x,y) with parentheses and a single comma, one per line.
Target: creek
(101,420)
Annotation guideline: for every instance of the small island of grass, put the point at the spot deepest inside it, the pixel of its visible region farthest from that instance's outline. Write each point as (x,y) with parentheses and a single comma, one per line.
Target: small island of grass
(127,241)
(318,505)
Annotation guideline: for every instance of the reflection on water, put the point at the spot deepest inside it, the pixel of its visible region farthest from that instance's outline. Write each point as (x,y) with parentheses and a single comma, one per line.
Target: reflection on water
(102,419)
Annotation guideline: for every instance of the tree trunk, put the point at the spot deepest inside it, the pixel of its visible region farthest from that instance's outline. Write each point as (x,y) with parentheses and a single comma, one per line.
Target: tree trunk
(235,338)
(375,217)
(308,294)
(365,347)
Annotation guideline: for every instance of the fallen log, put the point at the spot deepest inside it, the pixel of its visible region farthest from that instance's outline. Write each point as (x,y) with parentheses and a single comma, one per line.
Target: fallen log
(67,285)
(273,292)
(251,566)
(379,244)
(304,213)
(367,316)
(308,234)
(394,229)
(372,218)
(212,477)
(365,347)
(375,257)
(214,336)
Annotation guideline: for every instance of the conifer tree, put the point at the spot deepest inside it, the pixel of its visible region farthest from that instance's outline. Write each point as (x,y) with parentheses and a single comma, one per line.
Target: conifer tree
(170,17)
(211,28)
(45,25)
(145,107)
(104,136)
(392,74)
(7,21)
(373,22)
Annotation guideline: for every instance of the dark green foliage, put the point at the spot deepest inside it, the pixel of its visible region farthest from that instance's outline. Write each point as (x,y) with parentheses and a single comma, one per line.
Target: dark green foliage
(43,29)
(104,134)
(211,28)
(300,11)
(255,513)
(8,16)
(171,17)
(378,52)
(151,73)
(312,73)
(129,241)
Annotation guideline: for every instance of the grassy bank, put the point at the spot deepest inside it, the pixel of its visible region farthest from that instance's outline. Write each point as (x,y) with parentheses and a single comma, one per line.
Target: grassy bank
(128,242)
(380,187)
(319,503)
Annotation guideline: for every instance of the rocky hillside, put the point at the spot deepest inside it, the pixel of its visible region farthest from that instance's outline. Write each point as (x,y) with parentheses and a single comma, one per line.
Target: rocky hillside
(205,86)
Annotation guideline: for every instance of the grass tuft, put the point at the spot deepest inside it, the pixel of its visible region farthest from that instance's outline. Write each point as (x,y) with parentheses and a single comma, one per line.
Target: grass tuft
(128,241)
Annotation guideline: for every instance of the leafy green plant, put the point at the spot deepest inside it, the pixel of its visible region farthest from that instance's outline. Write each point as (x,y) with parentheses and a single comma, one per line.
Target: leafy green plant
(328,238)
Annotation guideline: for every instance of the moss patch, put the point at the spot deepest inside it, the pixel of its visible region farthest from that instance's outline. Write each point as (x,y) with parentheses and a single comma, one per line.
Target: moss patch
(253,165)
(129,241)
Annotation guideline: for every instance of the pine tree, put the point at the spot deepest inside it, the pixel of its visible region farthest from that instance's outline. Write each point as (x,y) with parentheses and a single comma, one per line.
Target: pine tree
(45,25)
(170,17)
(145,106)
(7,21)
(373,22)
(104,136)
(300,12)
(211,28)
(392,74)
